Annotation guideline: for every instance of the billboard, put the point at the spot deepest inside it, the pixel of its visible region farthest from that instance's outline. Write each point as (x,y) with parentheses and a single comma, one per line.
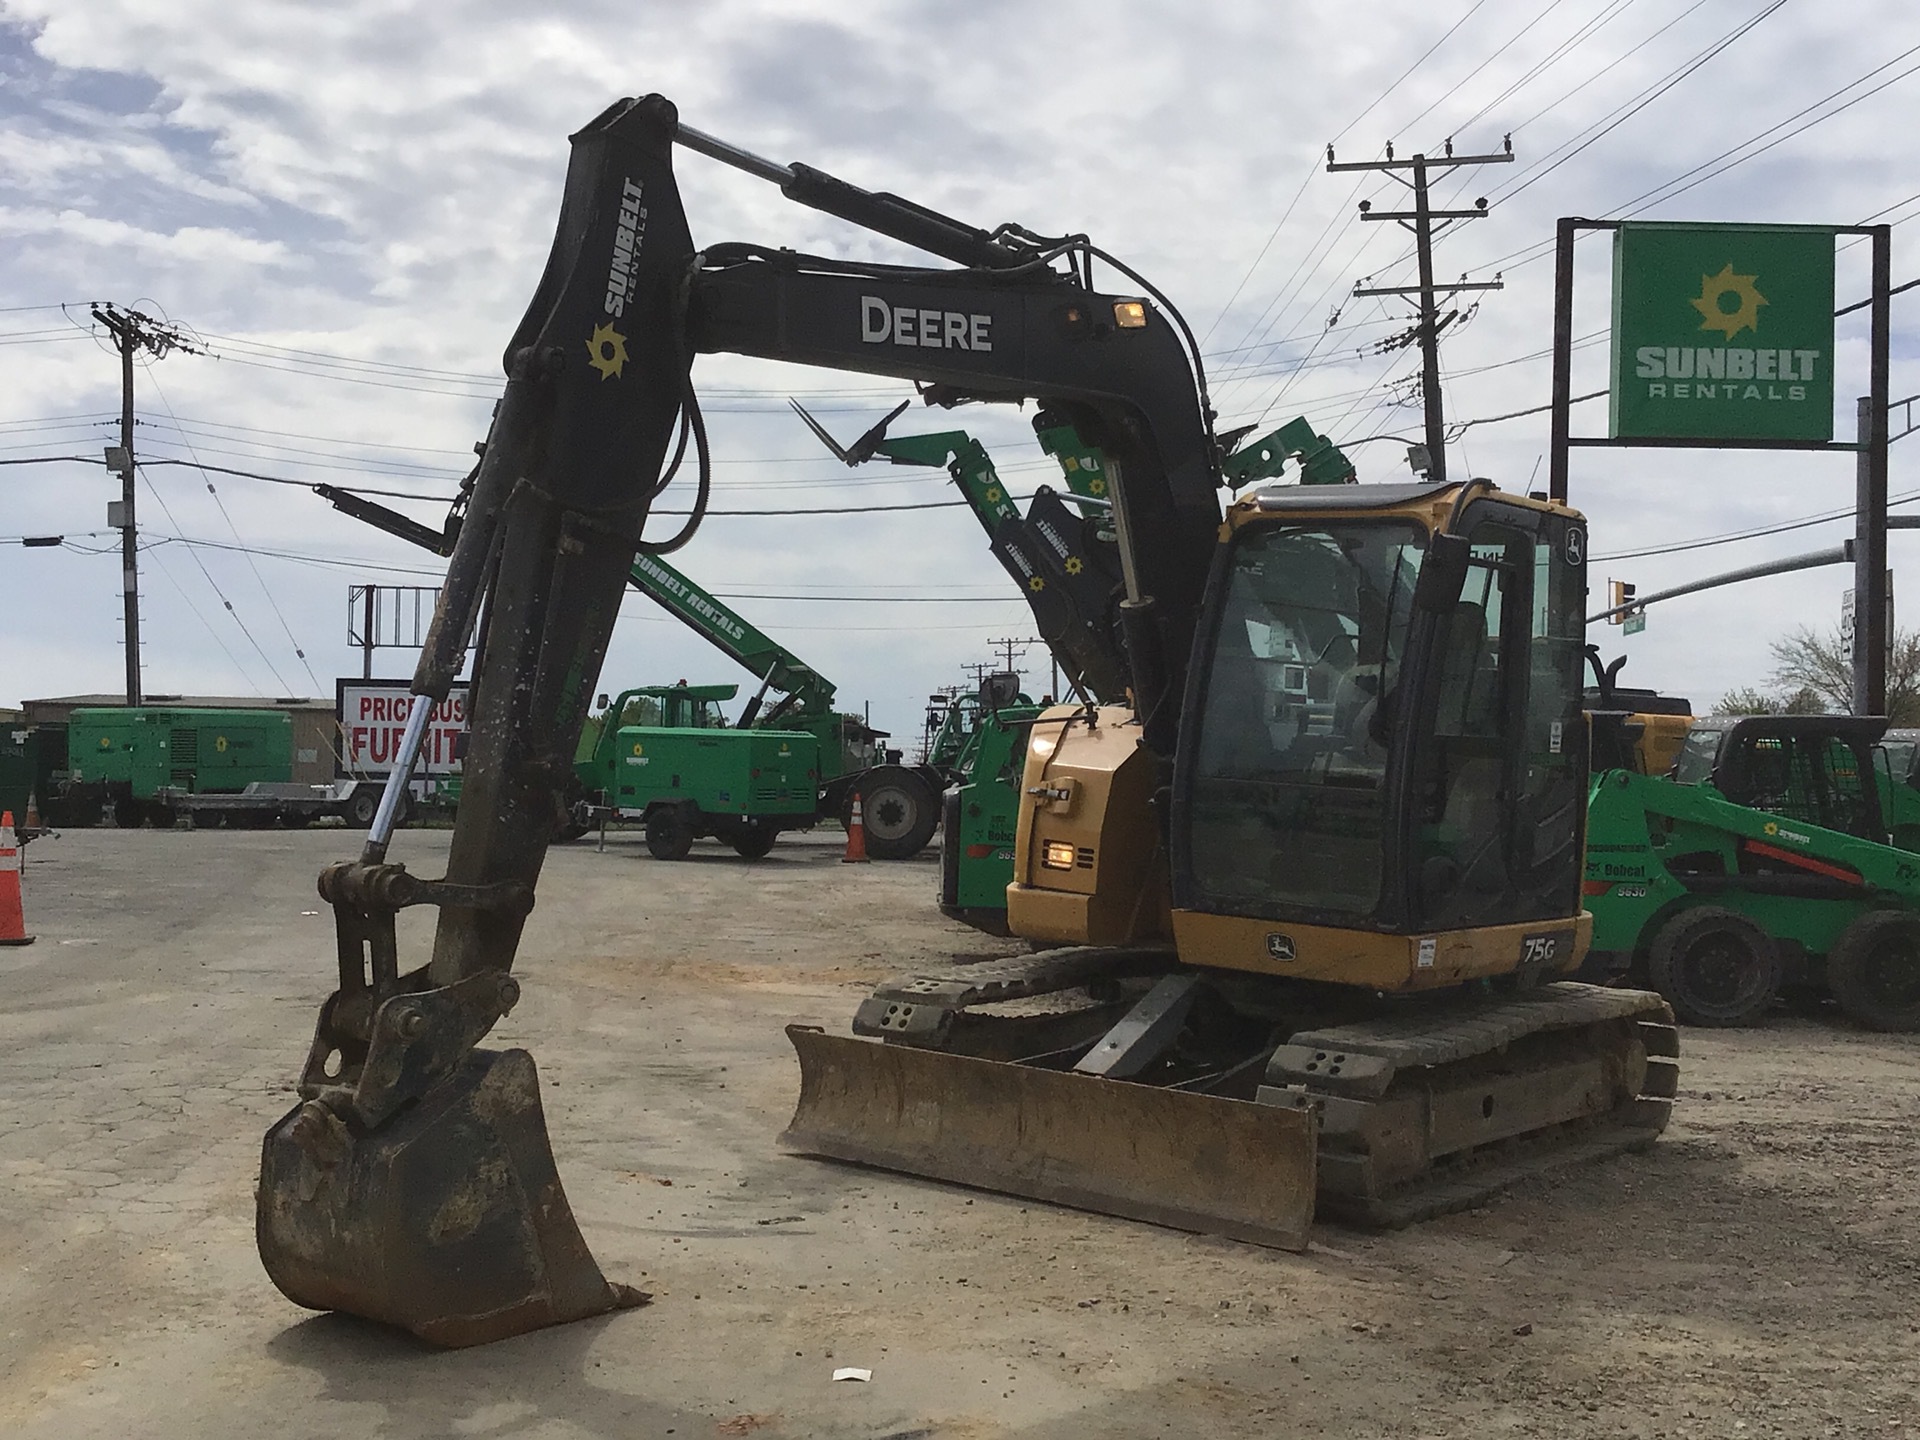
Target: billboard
(1722,332)
(373,717)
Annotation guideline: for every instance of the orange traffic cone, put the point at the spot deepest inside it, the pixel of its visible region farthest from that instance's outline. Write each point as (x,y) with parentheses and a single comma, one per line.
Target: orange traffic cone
(33,813)
(13,922)
(856,837)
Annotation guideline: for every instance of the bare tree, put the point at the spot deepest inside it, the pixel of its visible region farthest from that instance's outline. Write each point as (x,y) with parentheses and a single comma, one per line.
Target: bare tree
(1822,665)
(1749,700)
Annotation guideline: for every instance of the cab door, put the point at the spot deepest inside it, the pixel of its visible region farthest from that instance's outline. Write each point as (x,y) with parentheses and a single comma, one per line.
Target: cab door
(1498,775)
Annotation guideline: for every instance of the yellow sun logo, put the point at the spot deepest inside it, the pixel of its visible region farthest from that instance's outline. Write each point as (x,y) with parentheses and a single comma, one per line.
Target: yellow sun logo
(1096,487)
(1036,583)
(607,351)
(1771,827)
(993,494)
(1714,291)
(1074,567)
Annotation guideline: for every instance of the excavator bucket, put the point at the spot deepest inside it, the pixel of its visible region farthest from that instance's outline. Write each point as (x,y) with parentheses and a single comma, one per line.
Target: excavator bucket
(448,1220)
(1170,1157)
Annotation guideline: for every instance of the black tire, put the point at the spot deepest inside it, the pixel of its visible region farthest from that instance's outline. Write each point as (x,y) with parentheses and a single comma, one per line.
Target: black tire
(362,808)
(753,839)
(127,814)
(669,836)
(1715,967)
(1874,970)
(899,810)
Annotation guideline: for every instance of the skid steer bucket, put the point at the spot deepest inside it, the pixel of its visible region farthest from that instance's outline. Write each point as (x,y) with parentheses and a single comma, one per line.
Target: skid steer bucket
(447,1220)
(1170,1157)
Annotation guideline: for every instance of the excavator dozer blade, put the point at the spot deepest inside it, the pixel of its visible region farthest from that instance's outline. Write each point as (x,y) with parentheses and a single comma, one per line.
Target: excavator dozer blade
(1169,1157)
(448,1220)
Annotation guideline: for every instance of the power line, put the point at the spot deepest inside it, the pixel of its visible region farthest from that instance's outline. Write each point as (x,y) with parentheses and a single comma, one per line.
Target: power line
(1614,118)
(1670,189)
(1314,165)
(239,669)
(214,585)
(259,579)
(1732,537)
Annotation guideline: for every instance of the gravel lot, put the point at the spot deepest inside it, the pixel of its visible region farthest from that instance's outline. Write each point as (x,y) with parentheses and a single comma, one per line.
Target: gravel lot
(1757,1274)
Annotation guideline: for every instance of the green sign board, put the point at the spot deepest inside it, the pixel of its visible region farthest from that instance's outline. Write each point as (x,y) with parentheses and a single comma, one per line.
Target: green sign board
(1722,332)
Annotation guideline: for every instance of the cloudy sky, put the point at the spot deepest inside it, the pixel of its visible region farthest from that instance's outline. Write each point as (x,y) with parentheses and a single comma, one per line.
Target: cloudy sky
(346,206)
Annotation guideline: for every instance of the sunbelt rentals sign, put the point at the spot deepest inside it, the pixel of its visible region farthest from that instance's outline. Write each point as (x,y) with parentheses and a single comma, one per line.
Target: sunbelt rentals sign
(1722,332)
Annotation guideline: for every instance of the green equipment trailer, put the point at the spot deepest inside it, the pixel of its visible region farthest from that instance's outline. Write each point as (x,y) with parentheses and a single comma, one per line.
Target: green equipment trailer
(900,803)
(135,760)
(1764,864)
(686,774)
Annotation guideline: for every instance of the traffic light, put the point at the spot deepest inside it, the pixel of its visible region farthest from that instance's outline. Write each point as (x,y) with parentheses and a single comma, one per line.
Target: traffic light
(1619,594)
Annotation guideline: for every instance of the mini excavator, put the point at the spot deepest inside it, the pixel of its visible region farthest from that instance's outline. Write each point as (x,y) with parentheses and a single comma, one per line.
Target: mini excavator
(1304,894)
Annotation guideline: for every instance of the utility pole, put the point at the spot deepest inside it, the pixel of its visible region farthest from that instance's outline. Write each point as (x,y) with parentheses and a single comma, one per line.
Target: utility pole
(1420,220)
(132,331)
(1010,650)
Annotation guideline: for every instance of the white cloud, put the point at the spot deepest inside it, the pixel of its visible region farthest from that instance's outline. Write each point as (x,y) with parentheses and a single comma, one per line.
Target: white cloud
(380,181)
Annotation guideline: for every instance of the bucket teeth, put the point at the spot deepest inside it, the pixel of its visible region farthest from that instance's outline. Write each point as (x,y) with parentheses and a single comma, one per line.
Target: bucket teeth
(448,1220)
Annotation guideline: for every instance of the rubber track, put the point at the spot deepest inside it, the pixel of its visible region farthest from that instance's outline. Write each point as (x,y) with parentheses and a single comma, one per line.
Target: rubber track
(1422,1037)
(1022,975)
(1446,1192)
(1459,1182)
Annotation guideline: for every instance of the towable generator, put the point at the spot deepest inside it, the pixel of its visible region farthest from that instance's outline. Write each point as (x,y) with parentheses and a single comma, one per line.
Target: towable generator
(1305,896)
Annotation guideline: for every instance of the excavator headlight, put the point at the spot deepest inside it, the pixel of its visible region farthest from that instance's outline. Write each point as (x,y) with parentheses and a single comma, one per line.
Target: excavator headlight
(1057,855)
(1130,314)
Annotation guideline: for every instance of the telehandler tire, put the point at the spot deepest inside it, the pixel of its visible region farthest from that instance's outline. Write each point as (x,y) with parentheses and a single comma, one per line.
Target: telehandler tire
(899,810)
(1874,970)
(669,835)
(1715,967)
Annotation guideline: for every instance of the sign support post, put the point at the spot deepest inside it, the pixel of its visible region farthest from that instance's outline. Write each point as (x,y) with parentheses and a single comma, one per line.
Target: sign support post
(1781,391)
(1870,637)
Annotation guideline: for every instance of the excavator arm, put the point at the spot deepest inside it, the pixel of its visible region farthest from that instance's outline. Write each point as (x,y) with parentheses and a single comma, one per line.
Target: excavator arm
(414,1182)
